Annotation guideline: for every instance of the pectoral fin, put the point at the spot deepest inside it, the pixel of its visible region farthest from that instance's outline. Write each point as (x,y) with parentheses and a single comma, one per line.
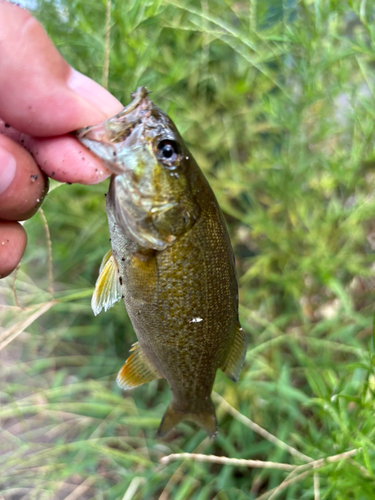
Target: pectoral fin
(236,357)
(137,370)
(107,288)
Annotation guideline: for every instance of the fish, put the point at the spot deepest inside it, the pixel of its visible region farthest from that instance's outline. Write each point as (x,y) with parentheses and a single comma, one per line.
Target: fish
(171,261)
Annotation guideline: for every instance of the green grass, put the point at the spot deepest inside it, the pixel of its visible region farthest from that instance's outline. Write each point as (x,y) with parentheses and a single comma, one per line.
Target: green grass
(276,101)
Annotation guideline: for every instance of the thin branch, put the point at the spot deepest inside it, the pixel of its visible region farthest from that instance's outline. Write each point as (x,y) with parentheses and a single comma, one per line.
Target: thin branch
(107,43)
(49,245)
(258,429)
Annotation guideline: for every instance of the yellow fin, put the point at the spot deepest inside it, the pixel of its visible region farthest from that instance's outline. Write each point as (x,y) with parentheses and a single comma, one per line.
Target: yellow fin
(236,357)
(107,288)
(137,370)
(205,419)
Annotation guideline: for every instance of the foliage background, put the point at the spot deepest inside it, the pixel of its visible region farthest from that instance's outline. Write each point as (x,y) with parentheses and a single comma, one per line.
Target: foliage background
(275,99)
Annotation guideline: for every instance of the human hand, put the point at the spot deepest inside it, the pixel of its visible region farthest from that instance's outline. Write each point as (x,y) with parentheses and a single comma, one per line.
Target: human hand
(42,99)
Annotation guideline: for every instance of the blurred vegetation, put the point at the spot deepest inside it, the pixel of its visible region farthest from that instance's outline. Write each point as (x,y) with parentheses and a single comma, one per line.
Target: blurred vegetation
(275,99)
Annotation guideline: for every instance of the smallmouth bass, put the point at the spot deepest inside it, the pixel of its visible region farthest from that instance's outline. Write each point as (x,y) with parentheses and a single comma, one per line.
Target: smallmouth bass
(171,261)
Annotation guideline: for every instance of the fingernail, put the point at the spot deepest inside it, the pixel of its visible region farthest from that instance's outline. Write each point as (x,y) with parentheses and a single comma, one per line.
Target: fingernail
(7,169)
(94,93)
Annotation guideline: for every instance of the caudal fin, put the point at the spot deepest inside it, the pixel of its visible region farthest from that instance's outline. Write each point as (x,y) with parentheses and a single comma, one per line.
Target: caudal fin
(205,419)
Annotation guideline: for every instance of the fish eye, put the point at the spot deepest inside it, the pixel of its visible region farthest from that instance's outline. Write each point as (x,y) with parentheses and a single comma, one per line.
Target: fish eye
(167,150)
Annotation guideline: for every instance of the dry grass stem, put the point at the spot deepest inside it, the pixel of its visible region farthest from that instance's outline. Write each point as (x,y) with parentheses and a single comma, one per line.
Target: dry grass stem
(316,464)
(11,333)
(292,478)
(300,470)
(259,430)
(363,469)
(107,43)
(316,487)
(81,489)
(17,302)
(49,246)
(259,464)
(271,494)
(178,473)
(133,486)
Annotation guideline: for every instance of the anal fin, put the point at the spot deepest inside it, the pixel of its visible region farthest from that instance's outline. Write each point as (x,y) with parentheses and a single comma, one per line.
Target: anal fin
(107,288)
(137,370)
(236,357)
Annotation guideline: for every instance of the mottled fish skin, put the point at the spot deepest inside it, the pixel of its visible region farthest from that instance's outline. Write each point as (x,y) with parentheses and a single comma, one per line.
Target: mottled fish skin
(183,300)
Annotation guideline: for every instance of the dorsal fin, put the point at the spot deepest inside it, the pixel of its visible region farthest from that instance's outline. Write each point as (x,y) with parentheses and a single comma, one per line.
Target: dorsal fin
(137,370)
(107,288)
(236,357)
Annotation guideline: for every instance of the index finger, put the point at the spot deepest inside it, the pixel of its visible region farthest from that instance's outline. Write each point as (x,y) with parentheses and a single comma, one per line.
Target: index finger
(40,94)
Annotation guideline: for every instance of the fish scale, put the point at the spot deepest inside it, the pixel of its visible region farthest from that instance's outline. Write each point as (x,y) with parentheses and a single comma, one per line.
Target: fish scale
(171,261)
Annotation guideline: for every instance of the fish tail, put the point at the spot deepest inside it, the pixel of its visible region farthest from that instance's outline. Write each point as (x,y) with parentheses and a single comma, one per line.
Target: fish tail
(205,419)
(170,418)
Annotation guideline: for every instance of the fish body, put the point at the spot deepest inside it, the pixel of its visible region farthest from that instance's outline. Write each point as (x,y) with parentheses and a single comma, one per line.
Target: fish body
(171,262)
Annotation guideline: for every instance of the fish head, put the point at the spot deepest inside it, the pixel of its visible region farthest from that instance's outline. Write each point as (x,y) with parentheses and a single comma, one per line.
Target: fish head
(151,192)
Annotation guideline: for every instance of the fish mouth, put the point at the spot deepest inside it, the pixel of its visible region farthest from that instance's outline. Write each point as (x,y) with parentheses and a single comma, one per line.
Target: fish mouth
(120,126)
(100,137)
